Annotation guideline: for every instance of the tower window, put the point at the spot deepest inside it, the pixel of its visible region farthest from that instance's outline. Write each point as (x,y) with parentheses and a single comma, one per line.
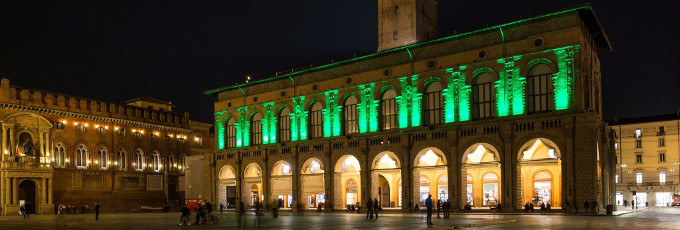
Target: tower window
(395,35)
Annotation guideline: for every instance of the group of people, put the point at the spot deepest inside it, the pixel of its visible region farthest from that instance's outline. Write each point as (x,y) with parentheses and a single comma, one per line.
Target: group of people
(445,206)
(529,207)
(372,207)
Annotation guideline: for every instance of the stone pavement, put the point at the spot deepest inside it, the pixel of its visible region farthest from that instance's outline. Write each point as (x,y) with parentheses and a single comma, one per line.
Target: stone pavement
(650,218)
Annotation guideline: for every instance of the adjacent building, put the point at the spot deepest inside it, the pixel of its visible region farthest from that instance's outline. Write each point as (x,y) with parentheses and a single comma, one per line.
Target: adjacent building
(509,115)
(648,159)
(60,149)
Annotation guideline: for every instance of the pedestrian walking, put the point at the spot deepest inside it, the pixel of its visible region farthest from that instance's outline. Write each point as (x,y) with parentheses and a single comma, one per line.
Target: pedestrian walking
(586,206)
(376,206)
(439,206)
(221,208)
(22,211)
(428,204)
(369,208)
(97,206)
(625,203)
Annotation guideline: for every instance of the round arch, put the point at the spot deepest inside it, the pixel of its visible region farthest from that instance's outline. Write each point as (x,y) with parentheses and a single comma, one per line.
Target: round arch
(281,168)
(386,160)
(540,156)
(227,172)
(430,156)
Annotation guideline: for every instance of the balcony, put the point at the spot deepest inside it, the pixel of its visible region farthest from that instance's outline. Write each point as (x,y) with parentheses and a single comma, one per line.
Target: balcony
(647,184)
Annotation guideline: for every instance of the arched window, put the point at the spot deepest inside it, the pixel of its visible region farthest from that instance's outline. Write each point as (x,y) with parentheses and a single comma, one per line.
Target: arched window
(231,133)
(156,162)
(120,159)
(182,162)
(284,125)
(59,155)
(539,88)
(388,110)
(170,164)
(102,159)
(256,129)
(316,120)
(81,157)
(483,96)
(138,164)
(433,103)
(351,115)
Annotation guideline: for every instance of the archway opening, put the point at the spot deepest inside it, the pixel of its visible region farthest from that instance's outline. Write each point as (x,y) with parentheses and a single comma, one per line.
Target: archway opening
(386,171)
(540,170)
(282,184)
(313,189)
(252,184)
(482,171)
(430,165)
(227,187)
(27,196)
(347,181)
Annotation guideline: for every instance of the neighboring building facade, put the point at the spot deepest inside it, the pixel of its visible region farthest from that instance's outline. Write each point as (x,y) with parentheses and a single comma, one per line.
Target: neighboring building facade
(648,159)
(62,149)
(508,114)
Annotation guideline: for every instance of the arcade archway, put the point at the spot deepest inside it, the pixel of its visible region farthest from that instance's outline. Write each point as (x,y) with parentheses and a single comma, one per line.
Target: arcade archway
(27,196)
(227,187)
(482,169)
(347,182)
(282,184)
(540,170)
(430,165)
(386,171)
(252,185)
(312,186)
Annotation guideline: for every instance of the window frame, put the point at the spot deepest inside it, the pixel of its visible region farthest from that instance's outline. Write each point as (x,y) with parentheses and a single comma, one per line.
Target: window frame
(283,121)
(388,111)
(433,112)
(316,121)
(350,116)
(256,129)
(537,100)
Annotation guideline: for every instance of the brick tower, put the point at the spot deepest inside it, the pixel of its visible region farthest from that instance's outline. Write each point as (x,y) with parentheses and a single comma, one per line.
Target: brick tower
(404,22)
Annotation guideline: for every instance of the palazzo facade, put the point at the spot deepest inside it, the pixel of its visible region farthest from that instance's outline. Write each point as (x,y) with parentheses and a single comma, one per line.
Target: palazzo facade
(508,114)
(63,149)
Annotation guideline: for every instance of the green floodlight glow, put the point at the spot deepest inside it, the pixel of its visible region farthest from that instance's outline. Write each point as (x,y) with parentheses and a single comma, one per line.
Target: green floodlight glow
(294,120)
(416,105)
(301,118)
(268,124)
(403,101)
(564,78)
(510,88)
(462,94)
(367,109)
(242,128)
(331,114)
(219,129)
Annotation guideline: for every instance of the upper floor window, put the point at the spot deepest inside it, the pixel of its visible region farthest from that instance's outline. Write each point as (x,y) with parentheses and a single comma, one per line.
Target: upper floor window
(617,178)
(231,133)
(198,140)
(182,162)
(80,128)
(256,129)
(138,134)
(121,132)
(388,110)
(662,157)
(539,88)
(180,140)
(638,143)
(638,158)
(138,163)
(59,155)
(153,136)
(316,120)
(284,125)
(638,178)
(661,131)
(351,115)
(638,132)
(102,159)
(662,142)
(120,159)
(59,125)
(81,157)
(662,177)
(433,103)
(483,96)
(170,165)
(156,162)
(101,130)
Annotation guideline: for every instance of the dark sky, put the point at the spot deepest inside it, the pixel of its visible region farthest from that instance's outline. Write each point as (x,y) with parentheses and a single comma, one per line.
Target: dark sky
(175,50)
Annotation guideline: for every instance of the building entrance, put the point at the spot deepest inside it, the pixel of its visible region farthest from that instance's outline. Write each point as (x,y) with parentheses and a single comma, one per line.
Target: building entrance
(27,196)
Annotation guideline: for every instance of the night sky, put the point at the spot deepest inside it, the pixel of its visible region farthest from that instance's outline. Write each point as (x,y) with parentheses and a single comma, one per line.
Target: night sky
(176,50)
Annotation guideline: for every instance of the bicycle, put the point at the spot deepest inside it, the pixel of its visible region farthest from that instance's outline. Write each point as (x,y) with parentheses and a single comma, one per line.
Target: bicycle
(210,220)
(184,222)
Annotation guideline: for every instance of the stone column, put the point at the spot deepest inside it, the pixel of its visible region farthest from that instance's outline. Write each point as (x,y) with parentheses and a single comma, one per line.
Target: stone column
(44,191)
(15,191)
(50,191)
(8,190)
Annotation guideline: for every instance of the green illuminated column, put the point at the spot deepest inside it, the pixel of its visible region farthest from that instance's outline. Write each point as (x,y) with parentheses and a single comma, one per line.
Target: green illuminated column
(242,128)
(368,109)
(404,102)
(219,129)
(564,78)
(510,88)
(448,94)
(268,123)
(331,114)
(416,102)
(294,130)
(302,117)
(462,94)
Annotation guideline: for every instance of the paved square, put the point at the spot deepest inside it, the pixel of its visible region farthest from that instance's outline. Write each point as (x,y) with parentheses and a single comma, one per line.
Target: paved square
(651,218)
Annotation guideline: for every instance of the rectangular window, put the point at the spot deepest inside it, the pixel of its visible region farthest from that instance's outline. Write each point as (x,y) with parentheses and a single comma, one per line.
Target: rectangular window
(638,143)
(80,128)
(483,100)
(638,158)
(617,178)
(231,135)
(256,130)
(638,178)
(616,145)
(433,108)
(662,157)
(316,123)
(638,132)
(395,35)
(153,137)
(662,142)
(121,132)
(539,93)
(138,135)
(284,128)
(662,177)
(389,113)
(101,130)
(58,125)
(351,120)
(180,140)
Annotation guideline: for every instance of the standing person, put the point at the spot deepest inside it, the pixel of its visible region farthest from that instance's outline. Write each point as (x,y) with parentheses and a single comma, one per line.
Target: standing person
(199,212)
(428,204)
(625,203)
(369,208)
(439,206)
(221,208)
(22,211)
(97,206)
(376,206)
(586,206)
(185,215)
